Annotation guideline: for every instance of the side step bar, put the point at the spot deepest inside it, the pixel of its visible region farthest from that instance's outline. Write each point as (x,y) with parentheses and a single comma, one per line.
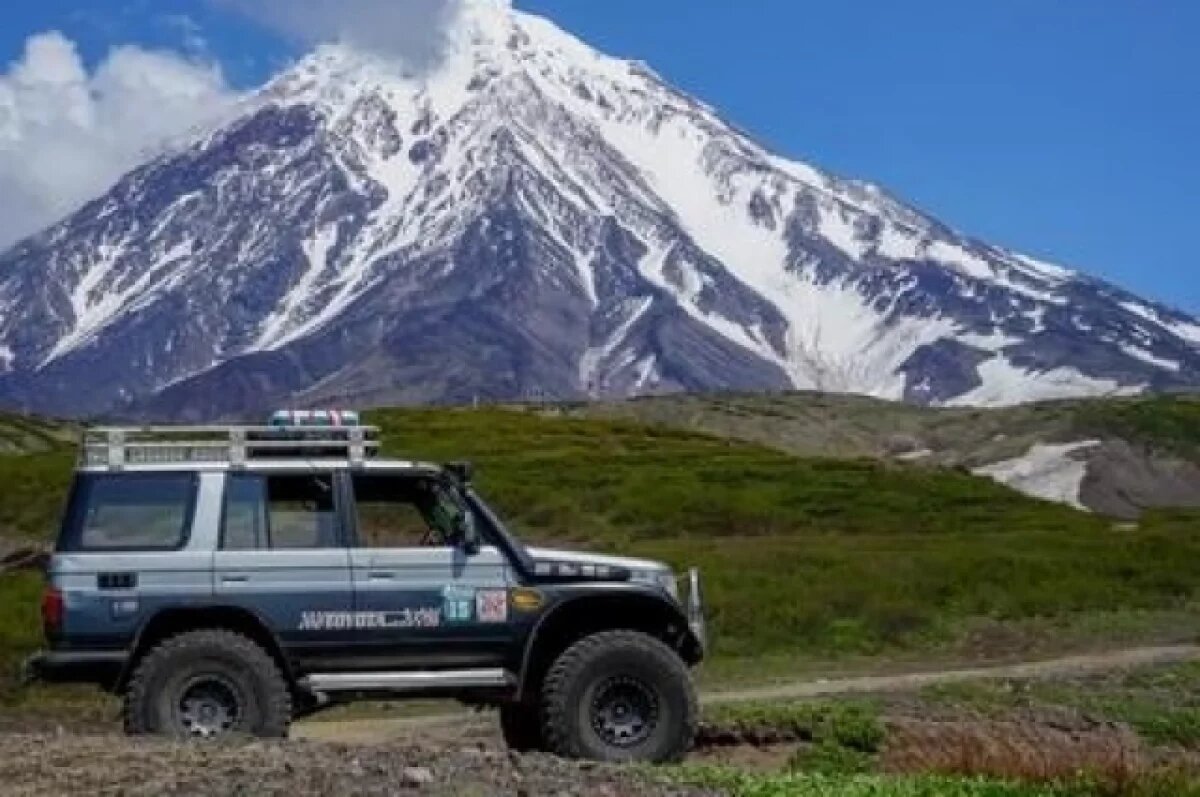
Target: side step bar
(408,681)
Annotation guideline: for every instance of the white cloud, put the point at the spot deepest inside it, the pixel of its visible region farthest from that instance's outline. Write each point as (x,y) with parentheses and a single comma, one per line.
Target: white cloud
(411,30)
(66,134)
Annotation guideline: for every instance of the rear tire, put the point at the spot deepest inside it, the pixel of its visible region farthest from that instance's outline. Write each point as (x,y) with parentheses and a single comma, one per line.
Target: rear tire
(521,725)
(619,696)
(207,684)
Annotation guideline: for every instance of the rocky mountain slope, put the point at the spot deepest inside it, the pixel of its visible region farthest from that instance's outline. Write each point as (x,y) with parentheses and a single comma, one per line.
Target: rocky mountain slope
(531,218)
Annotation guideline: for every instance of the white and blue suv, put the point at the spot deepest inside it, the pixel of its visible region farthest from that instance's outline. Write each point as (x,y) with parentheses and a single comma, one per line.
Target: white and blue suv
(226,579)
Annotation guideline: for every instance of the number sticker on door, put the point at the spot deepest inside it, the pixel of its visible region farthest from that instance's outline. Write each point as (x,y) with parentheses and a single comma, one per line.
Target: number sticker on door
(458,604)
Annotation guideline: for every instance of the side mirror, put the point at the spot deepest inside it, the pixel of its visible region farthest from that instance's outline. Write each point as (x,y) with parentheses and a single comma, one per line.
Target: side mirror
(463,472)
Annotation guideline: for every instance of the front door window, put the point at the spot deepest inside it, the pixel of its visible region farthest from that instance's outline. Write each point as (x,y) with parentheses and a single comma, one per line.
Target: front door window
(404,512)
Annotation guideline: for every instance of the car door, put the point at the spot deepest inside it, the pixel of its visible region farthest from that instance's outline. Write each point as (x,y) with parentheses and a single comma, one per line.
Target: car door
(426,603)
(283,556)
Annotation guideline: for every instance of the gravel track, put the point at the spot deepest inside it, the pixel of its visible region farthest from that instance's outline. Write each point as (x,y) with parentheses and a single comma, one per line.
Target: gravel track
(910,682)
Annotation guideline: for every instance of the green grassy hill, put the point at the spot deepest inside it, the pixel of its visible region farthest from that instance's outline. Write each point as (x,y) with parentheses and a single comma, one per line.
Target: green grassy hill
(810,556)
(615,481)
(803,557)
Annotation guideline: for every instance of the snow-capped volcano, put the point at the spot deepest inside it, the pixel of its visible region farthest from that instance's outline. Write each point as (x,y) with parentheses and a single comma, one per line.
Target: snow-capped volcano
(531,218)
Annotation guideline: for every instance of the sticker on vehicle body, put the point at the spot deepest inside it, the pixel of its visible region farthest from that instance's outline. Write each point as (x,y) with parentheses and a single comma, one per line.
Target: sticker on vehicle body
(491,605)
(364,621)
(458,604)
(525,599)
(124,607)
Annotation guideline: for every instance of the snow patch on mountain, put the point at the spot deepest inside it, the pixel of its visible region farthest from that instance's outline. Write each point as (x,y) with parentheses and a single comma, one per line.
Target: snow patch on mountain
(1185,329)
(1147,357)
(1051,472)
(1005,384)
(91,308)
(317,252)
(1042,268)
(592,363)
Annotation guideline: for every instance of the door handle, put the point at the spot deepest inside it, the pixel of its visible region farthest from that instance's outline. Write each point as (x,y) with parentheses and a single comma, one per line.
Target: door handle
(234,579)
(381,575)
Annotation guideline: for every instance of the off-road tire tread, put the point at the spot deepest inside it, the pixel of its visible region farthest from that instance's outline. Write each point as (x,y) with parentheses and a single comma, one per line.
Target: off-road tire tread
(557,714)
(277,708)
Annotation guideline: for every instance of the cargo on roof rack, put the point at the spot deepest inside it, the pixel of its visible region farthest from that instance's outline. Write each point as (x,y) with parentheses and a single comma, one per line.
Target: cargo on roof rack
(315,418)
(116,447)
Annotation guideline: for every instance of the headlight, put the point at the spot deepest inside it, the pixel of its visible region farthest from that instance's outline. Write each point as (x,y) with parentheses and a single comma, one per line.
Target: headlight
(668,582)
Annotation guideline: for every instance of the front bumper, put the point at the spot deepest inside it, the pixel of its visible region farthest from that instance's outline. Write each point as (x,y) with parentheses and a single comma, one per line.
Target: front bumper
(693,603)
(74,667)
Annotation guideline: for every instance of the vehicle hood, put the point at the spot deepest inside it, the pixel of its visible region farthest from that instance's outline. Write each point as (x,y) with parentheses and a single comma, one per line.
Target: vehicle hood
(584,558)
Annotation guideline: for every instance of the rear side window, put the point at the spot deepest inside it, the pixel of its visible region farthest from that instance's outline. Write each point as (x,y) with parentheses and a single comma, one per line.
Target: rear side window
(283,512)
(129,512)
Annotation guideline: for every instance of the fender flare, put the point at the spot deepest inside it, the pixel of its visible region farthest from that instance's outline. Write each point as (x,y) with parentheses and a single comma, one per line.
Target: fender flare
(685,642)
(264,633)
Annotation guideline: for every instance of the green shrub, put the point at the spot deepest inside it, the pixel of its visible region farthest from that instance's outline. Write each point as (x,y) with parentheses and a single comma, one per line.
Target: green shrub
(851,725)
(20,626)
(829,758)
(1164,423)
(1180,726)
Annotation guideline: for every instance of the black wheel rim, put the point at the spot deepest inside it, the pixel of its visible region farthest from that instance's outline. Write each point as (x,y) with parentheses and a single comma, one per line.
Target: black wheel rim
(624,712)
(209,706)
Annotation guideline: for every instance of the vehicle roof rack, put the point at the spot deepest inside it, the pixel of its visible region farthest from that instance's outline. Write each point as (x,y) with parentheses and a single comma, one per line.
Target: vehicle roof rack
(117,447)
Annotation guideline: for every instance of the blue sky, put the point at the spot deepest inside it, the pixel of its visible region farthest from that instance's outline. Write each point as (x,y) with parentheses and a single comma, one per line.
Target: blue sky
(1065,129)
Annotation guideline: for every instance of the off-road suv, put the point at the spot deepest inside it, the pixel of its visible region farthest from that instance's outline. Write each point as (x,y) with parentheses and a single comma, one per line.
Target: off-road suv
(225,580)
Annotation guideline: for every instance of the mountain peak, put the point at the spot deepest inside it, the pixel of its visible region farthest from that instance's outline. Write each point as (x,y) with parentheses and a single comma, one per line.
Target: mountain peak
(483,40)
(530,217)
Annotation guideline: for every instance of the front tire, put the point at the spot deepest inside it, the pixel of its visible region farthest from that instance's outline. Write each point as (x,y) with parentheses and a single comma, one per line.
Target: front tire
(207,684)
(619,696)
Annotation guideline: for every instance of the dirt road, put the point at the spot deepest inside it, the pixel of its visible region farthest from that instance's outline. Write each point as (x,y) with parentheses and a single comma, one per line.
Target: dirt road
(911,682)
(481,726)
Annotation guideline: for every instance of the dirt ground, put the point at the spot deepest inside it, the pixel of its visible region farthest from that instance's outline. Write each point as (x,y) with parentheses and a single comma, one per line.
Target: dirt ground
(112,765)
(462,753)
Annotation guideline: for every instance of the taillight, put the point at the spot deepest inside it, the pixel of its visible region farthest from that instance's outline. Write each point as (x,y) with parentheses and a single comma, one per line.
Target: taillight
(52,609)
